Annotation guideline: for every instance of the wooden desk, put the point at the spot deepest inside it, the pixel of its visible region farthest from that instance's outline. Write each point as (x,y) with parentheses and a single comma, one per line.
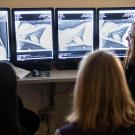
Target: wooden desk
(55,76)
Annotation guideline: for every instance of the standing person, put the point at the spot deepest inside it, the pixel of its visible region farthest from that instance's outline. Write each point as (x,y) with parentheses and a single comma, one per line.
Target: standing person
(130,60)
(102,103)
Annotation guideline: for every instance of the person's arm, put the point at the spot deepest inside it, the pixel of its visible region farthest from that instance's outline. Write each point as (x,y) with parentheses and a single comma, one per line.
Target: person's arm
(130,75)
(28,119)
(57,132)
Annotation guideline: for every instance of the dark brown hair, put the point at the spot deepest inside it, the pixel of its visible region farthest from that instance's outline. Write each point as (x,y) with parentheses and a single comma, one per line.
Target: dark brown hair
(8,100)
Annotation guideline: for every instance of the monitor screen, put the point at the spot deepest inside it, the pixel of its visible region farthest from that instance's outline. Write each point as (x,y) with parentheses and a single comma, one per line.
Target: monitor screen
(33,34)
(114,25)
(4,34)
(75,28)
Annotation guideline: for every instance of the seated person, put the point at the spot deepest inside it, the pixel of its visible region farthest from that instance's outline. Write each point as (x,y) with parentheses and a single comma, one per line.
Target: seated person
(102,102)
(14,118)
(9,124)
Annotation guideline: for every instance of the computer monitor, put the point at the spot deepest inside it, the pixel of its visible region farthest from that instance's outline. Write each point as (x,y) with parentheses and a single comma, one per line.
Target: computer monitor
(33,37)
(75,29)
(5,34)
(113,26)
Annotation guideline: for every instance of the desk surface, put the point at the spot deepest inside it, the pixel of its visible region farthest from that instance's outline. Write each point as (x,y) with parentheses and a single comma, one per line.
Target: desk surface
(55,76)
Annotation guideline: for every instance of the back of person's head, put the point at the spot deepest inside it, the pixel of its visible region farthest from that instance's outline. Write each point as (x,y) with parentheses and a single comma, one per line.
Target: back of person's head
(131,45)
(101,99)
(8,104)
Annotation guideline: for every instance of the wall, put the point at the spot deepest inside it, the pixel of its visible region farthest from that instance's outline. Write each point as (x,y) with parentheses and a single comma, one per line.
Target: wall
(67,3)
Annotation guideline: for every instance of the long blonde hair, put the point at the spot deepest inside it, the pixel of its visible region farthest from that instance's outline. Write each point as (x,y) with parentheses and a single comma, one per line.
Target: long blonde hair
(131,50)
(101,98)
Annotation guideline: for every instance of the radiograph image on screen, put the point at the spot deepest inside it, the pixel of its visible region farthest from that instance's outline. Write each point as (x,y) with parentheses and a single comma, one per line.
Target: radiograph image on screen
(113,31)
(34,35)
(75,35)
(114,34)
(4,38)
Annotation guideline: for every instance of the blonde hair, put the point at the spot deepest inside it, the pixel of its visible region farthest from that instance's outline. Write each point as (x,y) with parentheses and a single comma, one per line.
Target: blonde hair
(131,50)
(101,98)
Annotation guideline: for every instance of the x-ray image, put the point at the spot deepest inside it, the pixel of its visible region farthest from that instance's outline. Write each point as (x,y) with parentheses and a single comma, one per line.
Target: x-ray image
(114,27)
(113,34)
(4,36)
(75,35)
(34,36)
(3,53)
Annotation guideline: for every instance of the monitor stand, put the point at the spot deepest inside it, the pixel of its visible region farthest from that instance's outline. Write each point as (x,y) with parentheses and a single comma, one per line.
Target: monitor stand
(67,65)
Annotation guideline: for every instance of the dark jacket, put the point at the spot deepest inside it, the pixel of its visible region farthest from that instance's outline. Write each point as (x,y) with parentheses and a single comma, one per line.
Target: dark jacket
(24,131)
(28,119)
(72,129)
(130,75)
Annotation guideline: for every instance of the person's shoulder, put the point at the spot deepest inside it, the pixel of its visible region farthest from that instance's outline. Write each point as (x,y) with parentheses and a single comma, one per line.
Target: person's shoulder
(131,128)
(130,70)
(24,131)
(70,128)
(130,66)
(127,130)
(73,129)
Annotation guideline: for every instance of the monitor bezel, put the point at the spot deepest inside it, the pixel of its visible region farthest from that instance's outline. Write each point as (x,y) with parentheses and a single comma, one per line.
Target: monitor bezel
(109,8)
(9,33)
(72,60)
(40,64)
